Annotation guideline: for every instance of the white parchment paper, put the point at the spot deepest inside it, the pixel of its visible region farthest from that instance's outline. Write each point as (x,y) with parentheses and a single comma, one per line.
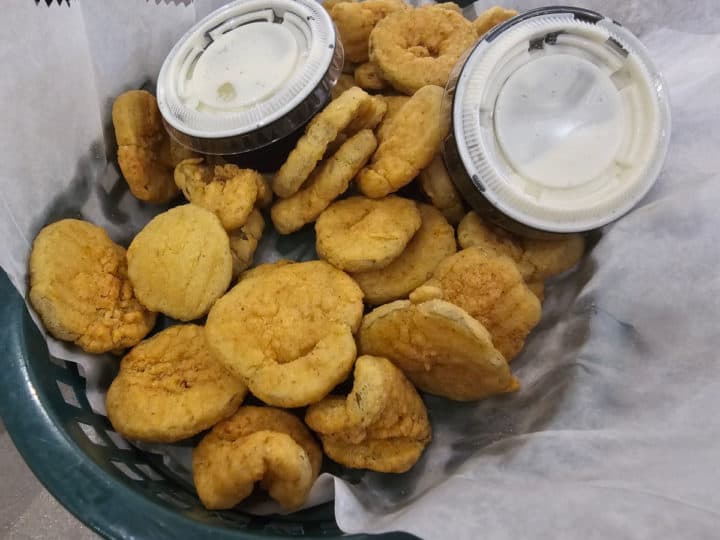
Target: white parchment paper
(615,433)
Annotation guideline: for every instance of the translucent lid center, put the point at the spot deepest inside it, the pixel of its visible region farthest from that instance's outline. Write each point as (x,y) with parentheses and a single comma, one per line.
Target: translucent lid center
(242,66)
(559,121)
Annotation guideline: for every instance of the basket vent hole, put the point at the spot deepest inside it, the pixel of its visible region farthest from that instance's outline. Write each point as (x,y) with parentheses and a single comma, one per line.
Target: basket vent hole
(117,440)
(127,471)
(148,471)
(92,434)
(58,361)
(68,394)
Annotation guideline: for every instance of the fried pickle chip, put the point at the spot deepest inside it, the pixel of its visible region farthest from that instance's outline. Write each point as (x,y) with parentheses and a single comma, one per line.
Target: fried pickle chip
(345,82)
(180,263)
(359,234)
(287,331)
(146,154)
(169,388)
(355,21)
(368,77)
(80,288)
(439,188)
(382,425)
(408,145)
(490,18)
(262,445)
(226,190)
(490,288)
(393,105)
(536,259)
(326,183)
(244,242)
(323,129)
(419,47)
(434,241)
(439,347)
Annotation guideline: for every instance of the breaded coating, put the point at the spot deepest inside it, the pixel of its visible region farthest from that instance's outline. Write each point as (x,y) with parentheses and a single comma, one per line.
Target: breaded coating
(419,47)
(408,145)
(536,259)
(382,425)
(329,4)
(393,105)
(439,188)
(244,242)
(323,129)
(452,6)
(227,191)
(490,288)
(490,18)
(368,76)
(326,183)
(264,268)
(80,288)
(148,178)
(169,388)
(473,231)
(547,258)
(538,289)
(258,445)
(180,263)
(146,153)
(439,347)
(369,116)
(345,82)
(355,21)
(359,234)
(287,331)
(264,191)
(434,241)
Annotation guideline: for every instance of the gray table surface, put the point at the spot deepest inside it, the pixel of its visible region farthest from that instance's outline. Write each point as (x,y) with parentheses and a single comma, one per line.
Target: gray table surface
(27,510)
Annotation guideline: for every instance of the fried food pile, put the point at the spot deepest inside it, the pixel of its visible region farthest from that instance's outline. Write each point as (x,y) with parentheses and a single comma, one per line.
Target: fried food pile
(393,303)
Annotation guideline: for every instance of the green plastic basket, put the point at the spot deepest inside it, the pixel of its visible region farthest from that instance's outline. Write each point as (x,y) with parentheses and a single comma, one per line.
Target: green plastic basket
(114,488)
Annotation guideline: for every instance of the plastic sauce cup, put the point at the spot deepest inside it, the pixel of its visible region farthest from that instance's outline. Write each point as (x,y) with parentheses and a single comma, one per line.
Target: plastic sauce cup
(246,79)
(560,122)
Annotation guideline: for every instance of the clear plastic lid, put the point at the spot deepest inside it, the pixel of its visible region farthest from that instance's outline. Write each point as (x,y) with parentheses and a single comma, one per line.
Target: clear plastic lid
(249,74)
(560,122)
